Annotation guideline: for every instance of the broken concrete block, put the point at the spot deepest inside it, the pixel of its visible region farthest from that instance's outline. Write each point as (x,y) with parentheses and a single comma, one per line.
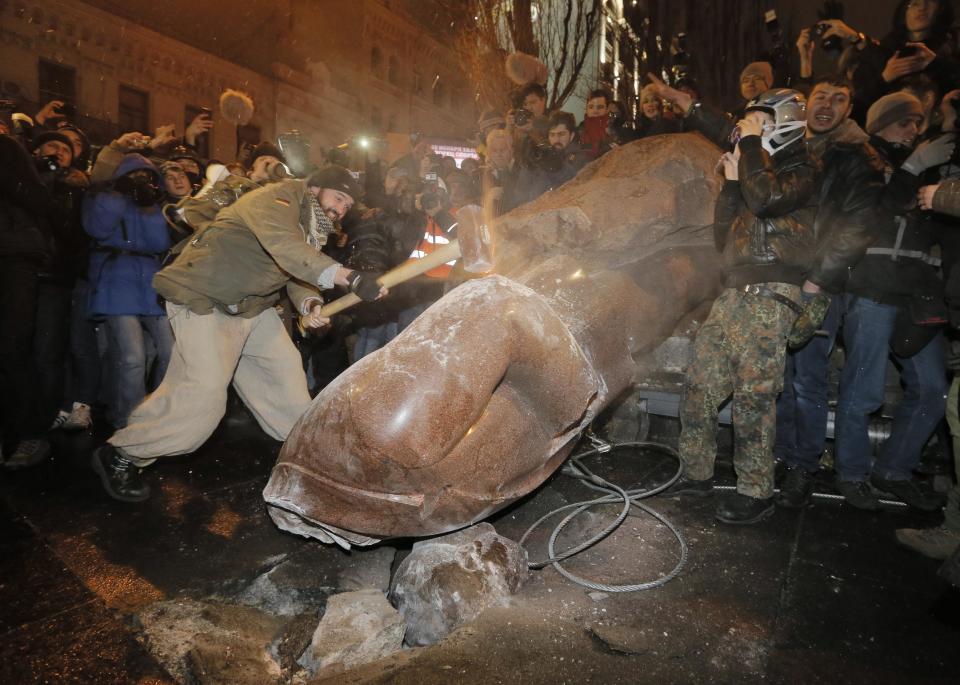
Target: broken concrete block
(357,628)
(206,642)
(367,568)
(446,582)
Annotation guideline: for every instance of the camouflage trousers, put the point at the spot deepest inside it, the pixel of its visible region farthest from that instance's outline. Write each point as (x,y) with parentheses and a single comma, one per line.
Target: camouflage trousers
(739,349)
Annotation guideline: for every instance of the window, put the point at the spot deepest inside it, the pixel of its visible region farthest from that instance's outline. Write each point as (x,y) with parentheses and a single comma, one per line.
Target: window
(438,92)
(393,71)
(248,134)
(392,123)
(203,142)
(376,117)
(417,86)
(57,82)
(133,114)
(376,60)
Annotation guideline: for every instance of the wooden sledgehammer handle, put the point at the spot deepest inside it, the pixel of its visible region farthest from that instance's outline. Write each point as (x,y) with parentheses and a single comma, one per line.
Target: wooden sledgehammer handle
(404,272)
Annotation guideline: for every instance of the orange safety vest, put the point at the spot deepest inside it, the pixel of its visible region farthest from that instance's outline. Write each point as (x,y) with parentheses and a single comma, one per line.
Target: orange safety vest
(433,238)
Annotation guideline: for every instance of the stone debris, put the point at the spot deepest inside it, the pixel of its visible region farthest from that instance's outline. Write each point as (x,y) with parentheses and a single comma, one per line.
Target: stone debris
(210,643)
(357,628)
(367,569)
(621,639)
(448,581)
(290,588)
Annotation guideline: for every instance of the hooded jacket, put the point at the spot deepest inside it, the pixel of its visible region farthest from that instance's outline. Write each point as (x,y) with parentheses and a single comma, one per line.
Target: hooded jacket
(129,241)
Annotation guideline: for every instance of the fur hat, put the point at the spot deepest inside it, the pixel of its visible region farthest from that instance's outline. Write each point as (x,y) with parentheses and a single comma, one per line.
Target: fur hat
(265,149)
(762,69)
(336,178)
(47,136)
(890,109)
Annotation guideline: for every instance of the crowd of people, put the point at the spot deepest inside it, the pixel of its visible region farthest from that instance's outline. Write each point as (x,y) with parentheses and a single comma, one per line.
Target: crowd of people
(145,280)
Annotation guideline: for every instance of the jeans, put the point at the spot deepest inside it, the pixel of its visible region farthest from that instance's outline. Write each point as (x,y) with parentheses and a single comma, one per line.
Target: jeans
(83,380)
(868,327)
(802,406)
(128,356)
(372,338)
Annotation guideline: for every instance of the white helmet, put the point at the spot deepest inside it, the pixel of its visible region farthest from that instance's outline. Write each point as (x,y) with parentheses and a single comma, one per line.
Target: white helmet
(789,111)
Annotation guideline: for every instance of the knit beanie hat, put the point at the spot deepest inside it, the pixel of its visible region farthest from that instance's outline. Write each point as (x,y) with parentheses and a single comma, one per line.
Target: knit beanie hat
(762,69)
(890,109)
(47,136)
(336,178)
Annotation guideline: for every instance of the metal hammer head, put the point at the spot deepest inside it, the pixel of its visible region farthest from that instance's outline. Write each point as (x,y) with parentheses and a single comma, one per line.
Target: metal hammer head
(475,238)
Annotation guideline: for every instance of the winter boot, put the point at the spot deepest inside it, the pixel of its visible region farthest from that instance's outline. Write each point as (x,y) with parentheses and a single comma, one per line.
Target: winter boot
(120,477)
(908,491)
(743,509)
(859,494)
(936,543)
(688,487)
(797,488)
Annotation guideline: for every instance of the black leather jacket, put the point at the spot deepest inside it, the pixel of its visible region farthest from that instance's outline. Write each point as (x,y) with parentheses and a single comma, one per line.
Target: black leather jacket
(763,223)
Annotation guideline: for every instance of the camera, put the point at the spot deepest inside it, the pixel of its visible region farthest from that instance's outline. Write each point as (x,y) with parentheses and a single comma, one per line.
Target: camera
(545,156)
(816,34)
(66,110)
(521,117)
(143,190)
(48,164)
(909,51)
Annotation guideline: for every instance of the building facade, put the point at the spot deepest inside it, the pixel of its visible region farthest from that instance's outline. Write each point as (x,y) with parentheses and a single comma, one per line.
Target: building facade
(384,74)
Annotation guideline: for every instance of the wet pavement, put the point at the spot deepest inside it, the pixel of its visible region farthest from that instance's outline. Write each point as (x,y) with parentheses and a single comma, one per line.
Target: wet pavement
(820,595)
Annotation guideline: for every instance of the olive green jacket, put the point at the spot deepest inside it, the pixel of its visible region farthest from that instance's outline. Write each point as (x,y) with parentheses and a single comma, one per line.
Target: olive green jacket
(254,248)
(947,198)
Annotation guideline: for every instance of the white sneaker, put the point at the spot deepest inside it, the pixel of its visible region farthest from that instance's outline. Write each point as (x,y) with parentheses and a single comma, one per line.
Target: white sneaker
(79,418)
(61,419)
(28,453)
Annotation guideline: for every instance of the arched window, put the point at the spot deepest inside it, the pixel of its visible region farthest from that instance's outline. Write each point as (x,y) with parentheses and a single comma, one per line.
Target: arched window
(438,92)
(393,71)
(376,60)
(417,85)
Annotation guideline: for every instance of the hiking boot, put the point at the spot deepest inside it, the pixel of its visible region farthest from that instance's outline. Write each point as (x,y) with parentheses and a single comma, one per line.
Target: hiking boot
(121,478)
(908,491)
(689,487)
(61,419)
(859,494)
(27,453)
(936,543)
(796,490)
(79,418)
(743,509)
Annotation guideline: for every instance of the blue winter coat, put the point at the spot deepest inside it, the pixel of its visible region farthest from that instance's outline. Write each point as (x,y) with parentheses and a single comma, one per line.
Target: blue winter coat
(120,281)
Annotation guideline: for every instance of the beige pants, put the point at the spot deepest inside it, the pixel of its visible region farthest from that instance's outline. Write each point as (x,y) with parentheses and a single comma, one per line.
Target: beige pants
(211,350)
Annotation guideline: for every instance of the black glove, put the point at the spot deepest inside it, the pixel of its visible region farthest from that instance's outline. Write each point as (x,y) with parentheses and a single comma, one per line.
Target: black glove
(364,284)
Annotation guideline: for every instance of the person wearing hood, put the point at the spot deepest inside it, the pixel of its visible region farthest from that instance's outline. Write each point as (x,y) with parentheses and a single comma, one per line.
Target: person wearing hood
(893,306)
(130,237)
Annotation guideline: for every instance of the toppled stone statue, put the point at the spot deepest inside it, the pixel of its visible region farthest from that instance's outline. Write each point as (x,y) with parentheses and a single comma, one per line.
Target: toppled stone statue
(485,394)
(446,582)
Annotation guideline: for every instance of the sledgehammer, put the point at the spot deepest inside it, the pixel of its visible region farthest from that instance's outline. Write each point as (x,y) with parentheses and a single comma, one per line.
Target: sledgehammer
(473,244)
